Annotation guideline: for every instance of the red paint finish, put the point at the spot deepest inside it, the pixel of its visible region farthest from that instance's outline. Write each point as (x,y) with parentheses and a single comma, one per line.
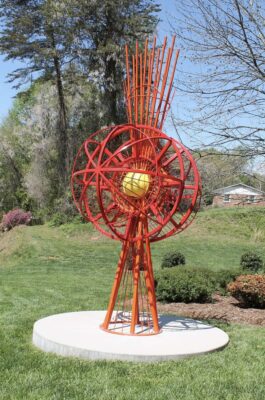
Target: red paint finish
(138,150)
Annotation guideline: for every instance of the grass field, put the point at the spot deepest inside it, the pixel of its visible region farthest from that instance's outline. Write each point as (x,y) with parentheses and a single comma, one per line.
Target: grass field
(46,270)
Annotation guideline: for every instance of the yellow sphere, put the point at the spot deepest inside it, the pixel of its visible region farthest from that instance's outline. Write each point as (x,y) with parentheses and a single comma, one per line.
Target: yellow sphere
(135,184)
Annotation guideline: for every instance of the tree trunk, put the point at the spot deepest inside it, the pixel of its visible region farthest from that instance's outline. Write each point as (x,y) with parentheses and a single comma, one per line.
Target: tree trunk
(111,91)
(63,157)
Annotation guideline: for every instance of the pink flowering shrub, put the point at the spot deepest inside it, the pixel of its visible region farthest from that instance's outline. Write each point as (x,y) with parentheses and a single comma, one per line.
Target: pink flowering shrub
(15,217)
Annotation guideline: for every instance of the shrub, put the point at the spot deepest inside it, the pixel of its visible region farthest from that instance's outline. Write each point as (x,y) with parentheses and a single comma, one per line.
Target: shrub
(58,219)
(184,285)
(251,261)
(249,290)
(14,218)
(223,277)
(173,259)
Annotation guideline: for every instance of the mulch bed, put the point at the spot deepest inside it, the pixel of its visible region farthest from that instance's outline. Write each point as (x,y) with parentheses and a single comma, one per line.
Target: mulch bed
(224,308)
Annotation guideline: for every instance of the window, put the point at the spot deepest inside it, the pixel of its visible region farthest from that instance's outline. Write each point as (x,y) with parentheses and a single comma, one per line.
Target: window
(251,199)
(226,198)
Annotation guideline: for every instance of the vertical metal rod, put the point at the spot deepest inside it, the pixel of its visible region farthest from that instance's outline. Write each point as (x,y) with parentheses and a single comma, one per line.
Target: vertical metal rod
(144,77)
(136,273)
(169,88)
(160,69)
(165,76)
(162,58)
(141,91)
(150,284)
(163,86)
(149,82)
(155,88)
(136,84)
(116,285)
(118,276)
(133,87)
(129,104)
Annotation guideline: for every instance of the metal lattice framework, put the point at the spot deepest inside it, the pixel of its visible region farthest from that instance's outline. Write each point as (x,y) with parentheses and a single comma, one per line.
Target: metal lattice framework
(137,185)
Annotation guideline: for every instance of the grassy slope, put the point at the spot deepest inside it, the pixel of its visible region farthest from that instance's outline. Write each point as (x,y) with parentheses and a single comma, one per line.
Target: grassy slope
(46,270)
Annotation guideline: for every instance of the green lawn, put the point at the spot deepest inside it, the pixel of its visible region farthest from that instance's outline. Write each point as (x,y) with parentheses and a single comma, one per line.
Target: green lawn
(47,270)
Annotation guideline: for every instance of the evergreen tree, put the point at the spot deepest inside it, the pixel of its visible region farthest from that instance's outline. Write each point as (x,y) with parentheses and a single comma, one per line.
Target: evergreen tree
(112,23)
(65,42)
(34,33)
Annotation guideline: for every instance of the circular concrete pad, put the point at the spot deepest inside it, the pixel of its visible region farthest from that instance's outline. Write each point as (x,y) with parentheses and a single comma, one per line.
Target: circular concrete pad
(78,334)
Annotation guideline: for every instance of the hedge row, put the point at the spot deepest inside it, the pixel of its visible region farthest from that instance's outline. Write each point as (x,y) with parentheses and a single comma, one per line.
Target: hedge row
(198,285)
(191,284)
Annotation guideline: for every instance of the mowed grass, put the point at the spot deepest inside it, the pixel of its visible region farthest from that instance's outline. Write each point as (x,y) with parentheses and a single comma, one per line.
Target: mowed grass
(46,270)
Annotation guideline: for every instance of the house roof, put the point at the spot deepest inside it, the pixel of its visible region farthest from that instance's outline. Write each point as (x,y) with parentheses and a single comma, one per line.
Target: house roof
(232,188)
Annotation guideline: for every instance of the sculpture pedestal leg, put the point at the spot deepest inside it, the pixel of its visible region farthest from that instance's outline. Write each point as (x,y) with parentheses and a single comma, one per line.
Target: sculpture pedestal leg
(132,307)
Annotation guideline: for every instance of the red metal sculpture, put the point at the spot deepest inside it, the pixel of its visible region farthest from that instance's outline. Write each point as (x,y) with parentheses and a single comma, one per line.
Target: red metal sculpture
(137,185)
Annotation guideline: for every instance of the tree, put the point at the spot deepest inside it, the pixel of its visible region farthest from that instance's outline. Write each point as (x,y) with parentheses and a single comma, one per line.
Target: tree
(103,29)
(225,84)
(28,154)
(219,169)
(33,32)
(42,178)
(14,160)
(61,41)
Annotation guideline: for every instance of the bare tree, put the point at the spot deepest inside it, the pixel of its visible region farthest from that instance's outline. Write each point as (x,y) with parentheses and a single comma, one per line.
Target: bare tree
(223,81)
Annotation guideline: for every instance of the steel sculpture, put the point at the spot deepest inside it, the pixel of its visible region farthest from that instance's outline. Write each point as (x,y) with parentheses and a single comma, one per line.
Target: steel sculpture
(137,185)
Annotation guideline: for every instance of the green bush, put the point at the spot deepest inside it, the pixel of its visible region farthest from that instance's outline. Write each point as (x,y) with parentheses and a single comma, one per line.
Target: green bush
(191,284)
(184,285)
(173,259)
(223,277)
(251,261)
(58,219)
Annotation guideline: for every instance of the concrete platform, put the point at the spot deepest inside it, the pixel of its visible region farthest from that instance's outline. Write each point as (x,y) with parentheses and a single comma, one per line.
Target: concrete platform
(77,334)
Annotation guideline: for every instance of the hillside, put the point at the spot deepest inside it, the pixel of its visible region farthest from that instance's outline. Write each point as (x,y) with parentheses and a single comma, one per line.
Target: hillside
(216,239)
(46,270)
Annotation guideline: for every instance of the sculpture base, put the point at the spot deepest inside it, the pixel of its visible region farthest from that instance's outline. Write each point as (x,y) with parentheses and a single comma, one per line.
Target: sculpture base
(78,334)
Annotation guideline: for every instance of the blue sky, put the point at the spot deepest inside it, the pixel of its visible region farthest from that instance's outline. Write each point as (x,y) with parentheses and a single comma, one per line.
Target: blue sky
(6,90)
(8,93)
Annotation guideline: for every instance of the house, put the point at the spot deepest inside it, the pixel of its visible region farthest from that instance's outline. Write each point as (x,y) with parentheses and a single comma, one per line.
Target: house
(238,195)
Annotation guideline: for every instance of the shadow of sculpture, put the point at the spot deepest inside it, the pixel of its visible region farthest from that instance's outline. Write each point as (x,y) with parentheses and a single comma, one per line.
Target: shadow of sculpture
(174,323)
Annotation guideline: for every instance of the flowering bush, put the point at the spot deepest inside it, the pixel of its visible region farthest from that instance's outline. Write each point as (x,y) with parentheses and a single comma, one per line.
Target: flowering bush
(249,290)
(14,218)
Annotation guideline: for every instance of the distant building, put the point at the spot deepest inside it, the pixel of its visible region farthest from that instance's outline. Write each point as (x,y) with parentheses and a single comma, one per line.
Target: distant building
(238,195)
